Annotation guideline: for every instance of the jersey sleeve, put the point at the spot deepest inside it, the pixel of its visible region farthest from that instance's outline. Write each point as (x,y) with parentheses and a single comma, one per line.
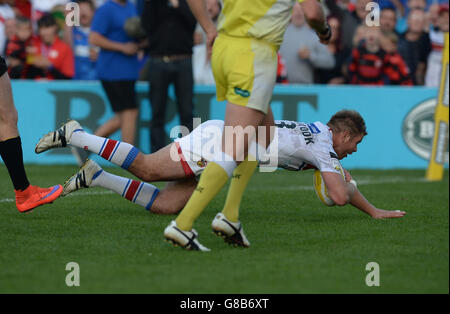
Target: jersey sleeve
(100,23)
(328,162)
(326,158)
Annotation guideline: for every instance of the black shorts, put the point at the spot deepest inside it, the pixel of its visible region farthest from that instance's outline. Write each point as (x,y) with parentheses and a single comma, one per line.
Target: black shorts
(3,67)
(121,94)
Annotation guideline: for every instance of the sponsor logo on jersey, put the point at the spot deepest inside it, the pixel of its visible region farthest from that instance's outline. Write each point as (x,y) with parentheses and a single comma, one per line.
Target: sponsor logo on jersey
(306,132)
(202,163)
(338,167)
(313,128)
(242,92)
(418,129)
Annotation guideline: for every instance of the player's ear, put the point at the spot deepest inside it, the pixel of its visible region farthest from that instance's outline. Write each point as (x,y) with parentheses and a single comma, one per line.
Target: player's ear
(347,136)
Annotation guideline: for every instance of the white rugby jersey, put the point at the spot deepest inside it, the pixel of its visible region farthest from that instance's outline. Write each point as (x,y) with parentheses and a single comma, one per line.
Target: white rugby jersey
(300,146)
(304,146)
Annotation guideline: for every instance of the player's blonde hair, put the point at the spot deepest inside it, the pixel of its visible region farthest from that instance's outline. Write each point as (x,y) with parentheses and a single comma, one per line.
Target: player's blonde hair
(348,120)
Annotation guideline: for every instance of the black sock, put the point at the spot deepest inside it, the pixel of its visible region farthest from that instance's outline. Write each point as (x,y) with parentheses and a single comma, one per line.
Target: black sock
(11,152)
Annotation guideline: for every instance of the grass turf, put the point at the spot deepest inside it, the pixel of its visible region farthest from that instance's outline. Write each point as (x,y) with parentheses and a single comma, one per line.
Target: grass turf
(297,244)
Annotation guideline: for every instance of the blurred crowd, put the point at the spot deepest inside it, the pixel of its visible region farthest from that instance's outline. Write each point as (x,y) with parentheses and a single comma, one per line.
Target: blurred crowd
(404,49)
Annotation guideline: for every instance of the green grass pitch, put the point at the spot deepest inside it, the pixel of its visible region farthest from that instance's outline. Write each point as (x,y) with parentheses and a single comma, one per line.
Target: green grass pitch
(297,244)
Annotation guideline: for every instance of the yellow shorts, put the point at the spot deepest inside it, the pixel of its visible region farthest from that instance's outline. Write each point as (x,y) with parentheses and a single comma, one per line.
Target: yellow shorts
(245,71)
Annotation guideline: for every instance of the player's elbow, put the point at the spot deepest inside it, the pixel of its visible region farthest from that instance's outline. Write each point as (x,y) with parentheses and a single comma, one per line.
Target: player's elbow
(341,200)
(162,210)
(339,197)
(93,39)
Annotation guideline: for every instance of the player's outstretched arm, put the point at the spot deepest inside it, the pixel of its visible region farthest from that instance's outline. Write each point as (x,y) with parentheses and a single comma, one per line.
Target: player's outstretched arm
(359,201)
(344,192)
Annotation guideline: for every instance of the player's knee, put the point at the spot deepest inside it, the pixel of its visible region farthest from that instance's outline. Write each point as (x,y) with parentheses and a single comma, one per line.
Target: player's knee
(164,204)
(162,209)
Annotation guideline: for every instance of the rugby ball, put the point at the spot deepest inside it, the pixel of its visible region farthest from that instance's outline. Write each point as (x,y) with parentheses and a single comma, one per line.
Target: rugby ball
(321,189)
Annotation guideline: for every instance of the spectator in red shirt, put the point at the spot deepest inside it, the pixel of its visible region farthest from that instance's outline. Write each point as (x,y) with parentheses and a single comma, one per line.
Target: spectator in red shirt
(395,68)
(51,56)
(366,66)
(16,49)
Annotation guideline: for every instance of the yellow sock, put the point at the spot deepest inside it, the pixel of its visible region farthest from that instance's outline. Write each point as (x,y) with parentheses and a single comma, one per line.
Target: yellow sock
(211,182)
(241,176)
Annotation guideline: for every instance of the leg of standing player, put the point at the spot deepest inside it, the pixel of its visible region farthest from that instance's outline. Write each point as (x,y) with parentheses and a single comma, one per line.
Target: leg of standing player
(246,82)
(243,173)
(122,98)
(245,71)
(27,196)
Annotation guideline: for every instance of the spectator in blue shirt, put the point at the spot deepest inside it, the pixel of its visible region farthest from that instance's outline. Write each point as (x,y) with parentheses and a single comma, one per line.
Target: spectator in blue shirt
(85,54)
(117,66)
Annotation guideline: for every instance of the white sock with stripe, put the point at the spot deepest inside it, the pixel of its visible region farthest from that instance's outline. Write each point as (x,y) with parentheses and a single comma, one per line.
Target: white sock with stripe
(138,192)
(119,153)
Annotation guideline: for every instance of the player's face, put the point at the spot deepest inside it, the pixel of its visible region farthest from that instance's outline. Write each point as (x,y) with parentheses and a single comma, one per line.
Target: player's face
(347,144)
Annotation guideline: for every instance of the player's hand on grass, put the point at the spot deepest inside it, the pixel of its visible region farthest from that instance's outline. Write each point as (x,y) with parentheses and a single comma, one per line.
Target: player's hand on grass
(383,214)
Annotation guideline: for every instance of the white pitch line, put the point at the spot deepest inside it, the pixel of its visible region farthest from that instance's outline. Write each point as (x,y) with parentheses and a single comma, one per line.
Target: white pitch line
(359,182)
(364,181)
(84,193)
(91,193)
